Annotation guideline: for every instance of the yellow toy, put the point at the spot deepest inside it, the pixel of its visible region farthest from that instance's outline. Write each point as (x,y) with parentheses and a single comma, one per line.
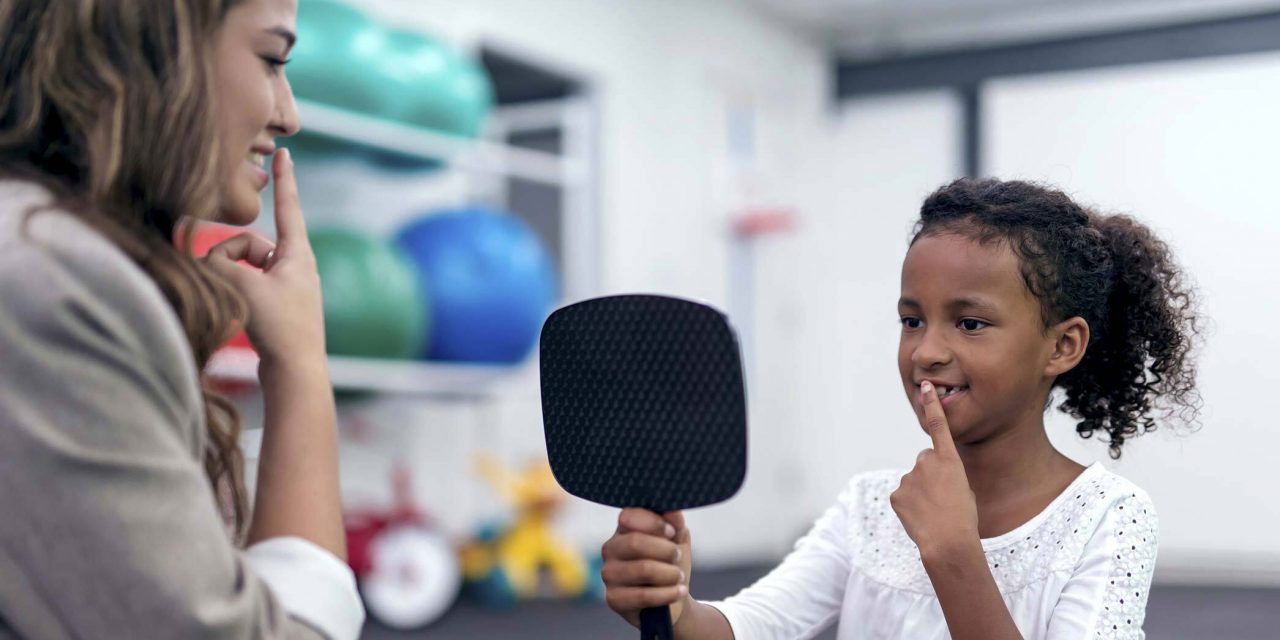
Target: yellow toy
(503,567)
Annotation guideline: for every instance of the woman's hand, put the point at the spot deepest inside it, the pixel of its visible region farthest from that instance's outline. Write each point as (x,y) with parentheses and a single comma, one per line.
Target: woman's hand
(934,501)
(286,313)
(647,564)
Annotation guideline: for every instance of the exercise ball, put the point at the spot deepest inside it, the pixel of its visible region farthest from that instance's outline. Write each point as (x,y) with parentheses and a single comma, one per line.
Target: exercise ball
(336,49)
(330,65)
(439,88)
(204,237)
(471,92)
(433,88)
(374,305)
(491,280)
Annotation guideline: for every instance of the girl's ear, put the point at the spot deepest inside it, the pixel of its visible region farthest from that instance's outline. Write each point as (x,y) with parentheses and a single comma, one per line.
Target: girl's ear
(1071,339)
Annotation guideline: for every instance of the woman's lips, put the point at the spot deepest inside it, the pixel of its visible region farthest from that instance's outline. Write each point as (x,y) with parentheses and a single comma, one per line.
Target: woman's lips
(259,174)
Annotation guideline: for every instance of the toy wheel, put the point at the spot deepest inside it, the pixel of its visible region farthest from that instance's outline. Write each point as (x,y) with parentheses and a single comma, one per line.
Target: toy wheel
(414,577)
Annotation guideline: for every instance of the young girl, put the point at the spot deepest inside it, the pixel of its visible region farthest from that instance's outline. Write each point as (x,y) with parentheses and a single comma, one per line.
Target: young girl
(1008,290)
(117,119)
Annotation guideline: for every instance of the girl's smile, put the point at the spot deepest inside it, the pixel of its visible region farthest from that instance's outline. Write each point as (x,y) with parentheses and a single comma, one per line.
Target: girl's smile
(972,328)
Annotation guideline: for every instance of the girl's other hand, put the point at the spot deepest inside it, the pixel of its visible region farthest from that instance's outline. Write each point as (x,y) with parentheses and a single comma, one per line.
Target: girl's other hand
(647,564)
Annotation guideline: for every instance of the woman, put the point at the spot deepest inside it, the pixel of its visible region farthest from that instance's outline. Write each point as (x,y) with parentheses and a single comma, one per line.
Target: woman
(120,472)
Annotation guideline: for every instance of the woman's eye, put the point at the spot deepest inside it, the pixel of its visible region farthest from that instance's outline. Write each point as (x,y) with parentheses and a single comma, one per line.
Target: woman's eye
(970,324)
(274,63)
(910,323)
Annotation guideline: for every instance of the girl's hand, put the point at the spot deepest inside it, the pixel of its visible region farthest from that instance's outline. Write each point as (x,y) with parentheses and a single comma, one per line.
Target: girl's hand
(934,501)
(286,314)
(647,564)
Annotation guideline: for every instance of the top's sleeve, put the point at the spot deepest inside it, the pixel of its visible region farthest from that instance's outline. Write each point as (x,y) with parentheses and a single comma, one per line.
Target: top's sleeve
(803,595)
(110,527)
(1106,596)
(311,583)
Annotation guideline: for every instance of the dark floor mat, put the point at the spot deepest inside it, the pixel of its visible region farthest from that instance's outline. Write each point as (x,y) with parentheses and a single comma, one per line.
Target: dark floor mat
(1174,613)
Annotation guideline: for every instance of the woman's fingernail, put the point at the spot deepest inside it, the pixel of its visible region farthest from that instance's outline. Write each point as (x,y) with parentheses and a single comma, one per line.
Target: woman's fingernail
(926,387)
(678,554)
(681,577)
(670,531)
(682,590)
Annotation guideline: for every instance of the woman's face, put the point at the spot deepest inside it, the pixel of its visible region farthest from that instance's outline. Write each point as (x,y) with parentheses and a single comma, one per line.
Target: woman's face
(254,102)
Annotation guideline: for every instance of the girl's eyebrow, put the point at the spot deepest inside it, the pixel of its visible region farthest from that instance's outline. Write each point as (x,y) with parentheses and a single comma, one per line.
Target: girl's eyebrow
(974,303)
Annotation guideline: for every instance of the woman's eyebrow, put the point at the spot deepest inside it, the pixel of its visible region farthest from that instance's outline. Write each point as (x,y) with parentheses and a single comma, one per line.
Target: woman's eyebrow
(289,36)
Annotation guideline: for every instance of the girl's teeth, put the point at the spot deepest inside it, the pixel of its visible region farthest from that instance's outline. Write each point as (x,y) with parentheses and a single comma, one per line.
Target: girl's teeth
(258,159)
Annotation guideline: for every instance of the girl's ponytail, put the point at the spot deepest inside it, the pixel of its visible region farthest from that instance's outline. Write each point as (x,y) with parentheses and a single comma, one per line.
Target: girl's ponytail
(1138,366)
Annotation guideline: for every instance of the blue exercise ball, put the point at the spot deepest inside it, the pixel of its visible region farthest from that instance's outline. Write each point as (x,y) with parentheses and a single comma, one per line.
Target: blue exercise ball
(491,283)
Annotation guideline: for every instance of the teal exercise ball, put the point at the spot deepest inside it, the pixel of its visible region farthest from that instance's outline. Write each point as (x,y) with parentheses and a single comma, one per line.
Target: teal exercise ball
(330,64)
(374,304)
(471,91)
(436,88)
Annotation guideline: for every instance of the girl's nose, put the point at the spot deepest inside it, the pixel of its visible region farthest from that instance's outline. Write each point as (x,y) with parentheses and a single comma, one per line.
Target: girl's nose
(931,352)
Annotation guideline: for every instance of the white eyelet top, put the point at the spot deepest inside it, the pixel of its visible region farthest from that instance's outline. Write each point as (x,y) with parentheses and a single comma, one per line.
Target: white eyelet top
(1079,569)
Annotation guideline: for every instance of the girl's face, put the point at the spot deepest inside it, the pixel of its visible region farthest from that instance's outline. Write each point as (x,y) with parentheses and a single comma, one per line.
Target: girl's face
(971,326)
(254,102)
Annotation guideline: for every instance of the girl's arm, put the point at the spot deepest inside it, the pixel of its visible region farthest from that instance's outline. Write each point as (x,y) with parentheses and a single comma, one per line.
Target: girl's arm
(968,594)
(938,511)
(805,593)
(1106,596)
(800,597)
(702,621)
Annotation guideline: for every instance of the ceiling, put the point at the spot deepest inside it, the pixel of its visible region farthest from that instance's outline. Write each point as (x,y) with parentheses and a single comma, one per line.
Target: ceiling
(858,29)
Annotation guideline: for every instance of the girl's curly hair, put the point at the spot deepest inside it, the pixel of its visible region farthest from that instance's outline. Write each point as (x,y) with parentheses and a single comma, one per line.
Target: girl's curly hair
(1110,270)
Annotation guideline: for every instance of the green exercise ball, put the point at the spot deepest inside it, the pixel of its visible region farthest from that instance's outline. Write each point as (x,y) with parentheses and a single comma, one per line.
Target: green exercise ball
(374,305)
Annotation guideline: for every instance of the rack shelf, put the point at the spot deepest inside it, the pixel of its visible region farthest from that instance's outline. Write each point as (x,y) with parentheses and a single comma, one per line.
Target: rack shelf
(464,153)
(407,377)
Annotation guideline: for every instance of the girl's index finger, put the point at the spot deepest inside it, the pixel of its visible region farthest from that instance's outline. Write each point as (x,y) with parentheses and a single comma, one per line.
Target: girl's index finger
(289,221)
(935,420)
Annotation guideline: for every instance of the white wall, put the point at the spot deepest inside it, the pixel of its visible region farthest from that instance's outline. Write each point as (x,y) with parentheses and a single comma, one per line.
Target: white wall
(1190,149)
(827,307)
(1186,147)
(664,73)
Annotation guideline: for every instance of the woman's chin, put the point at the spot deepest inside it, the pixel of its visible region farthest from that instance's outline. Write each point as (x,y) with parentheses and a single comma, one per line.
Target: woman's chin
(240,212)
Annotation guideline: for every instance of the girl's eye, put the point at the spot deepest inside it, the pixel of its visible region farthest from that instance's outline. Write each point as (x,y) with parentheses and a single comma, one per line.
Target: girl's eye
(910,323)
(971,324)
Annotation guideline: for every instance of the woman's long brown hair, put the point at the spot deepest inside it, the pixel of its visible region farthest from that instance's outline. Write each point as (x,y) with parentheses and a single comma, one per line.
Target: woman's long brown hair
(108,104)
